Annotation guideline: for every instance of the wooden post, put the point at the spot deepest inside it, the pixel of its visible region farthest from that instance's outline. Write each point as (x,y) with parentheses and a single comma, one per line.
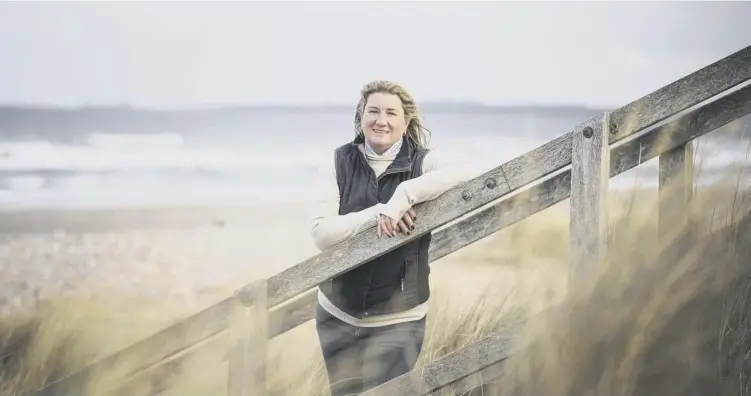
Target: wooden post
(590,173)
(249,332)
(676,183)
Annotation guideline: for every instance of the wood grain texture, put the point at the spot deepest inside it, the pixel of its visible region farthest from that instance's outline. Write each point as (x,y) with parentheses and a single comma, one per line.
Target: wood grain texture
(676,186)
(680,130)
(513,175)
(682,94)
(249,333)
(589,194)
(508,211)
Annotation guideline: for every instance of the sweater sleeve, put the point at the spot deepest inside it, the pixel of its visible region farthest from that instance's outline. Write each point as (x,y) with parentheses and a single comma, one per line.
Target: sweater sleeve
(328,228)
(441,172)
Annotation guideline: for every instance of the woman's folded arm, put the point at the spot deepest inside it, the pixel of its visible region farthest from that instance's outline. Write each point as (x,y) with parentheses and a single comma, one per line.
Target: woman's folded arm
(440,173)
(328,227)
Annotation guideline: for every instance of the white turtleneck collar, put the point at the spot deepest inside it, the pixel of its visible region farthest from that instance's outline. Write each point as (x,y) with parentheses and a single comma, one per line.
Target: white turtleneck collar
(389,154)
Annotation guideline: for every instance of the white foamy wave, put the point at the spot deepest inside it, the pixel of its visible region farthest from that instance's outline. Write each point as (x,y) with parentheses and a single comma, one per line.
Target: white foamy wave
(125,142)
(107,155)
(148,191)
(22,147)
(26,183)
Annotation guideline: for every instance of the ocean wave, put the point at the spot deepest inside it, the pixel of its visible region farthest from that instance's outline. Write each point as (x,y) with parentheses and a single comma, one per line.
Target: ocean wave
(136,141)
(107,155)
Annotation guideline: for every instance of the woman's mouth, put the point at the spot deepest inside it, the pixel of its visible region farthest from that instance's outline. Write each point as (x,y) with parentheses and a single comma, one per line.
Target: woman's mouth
(381,132)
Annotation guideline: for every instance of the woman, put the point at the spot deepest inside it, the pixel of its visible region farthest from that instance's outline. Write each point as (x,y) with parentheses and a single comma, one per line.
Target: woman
(371,320)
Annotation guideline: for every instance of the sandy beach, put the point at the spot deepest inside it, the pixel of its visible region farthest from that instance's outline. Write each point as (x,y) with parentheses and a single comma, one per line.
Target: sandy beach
(148,252)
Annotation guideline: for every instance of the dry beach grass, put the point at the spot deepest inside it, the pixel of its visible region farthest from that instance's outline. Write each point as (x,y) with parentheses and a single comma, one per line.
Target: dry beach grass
(638,323)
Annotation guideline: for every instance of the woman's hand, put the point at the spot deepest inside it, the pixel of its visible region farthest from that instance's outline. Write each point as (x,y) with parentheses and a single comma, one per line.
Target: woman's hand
(390,227)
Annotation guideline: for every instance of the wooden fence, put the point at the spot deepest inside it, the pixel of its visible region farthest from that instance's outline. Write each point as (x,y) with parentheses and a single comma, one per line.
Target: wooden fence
(577,164)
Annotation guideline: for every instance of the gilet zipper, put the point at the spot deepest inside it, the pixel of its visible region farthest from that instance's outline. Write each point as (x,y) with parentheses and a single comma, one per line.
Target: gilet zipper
(377,179)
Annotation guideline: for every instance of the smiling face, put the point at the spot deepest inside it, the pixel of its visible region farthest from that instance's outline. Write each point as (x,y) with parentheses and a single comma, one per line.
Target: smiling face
(383,120)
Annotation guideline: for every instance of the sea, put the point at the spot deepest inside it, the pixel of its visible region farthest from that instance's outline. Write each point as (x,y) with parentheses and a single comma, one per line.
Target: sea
(114,157)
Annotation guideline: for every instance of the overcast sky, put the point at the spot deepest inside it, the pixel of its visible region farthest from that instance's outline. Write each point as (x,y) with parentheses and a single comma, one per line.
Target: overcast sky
(178,54)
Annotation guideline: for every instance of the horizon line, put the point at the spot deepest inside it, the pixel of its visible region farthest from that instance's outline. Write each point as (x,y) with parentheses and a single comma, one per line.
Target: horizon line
(237,106)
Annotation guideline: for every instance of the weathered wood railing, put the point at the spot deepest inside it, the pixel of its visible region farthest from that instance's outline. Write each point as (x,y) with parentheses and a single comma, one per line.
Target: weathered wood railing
(577,164)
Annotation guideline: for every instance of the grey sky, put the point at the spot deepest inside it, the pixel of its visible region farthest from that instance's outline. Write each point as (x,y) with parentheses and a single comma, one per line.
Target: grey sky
(195,54)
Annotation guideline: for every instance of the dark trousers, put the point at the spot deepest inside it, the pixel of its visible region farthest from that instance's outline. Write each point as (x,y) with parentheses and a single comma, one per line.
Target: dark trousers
(361,358)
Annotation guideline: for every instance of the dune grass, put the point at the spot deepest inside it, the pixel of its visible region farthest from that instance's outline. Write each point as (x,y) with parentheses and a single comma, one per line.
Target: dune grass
(640,325)
(661,315)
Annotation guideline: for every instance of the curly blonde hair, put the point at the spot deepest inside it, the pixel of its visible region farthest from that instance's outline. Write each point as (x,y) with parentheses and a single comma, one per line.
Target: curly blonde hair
(416,132)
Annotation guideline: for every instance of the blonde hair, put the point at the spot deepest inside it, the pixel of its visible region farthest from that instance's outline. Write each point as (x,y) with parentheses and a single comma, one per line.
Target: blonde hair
(416,132)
